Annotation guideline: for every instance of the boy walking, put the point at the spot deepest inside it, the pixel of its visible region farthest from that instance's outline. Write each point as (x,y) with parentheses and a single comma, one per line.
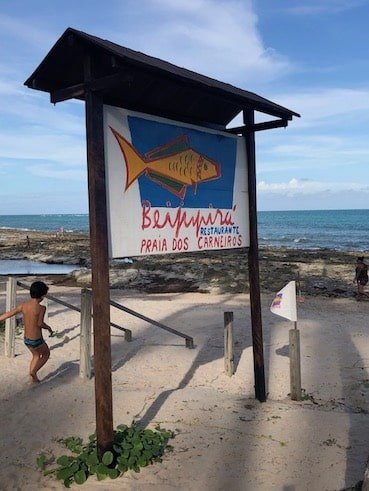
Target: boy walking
(33,320)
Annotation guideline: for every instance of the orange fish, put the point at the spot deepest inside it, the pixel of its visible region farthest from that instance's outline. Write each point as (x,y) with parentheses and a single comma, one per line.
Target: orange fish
(173,166)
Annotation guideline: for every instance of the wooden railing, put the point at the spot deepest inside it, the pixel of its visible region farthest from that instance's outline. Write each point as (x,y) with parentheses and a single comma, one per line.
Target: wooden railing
(127,332)
(85,311)
(86,320)
(189,339)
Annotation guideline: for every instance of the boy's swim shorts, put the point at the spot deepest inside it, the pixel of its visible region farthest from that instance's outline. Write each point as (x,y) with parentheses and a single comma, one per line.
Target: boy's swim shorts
(33,343)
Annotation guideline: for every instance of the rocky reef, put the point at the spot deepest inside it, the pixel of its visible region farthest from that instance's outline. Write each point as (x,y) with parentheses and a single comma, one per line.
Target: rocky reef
(324,272)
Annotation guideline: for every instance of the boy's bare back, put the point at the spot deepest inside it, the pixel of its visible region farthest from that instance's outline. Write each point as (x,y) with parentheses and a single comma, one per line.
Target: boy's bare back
(33,318)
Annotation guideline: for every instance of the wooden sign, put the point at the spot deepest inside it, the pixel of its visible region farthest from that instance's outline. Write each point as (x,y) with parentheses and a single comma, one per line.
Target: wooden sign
(172,187)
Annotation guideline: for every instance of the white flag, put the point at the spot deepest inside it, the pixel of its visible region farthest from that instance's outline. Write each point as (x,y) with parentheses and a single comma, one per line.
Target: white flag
(284,303)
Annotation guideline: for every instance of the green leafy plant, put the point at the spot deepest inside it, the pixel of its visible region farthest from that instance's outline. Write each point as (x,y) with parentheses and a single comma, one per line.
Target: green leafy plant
(329,442)
(56,334)
(132,449)
(305,396)
(18,328)
(281,443)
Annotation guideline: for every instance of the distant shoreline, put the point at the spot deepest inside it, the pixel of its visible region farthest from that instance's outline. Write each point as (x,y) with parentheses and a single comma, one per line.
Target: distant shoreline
(17,235)
(309,230)
(42,246)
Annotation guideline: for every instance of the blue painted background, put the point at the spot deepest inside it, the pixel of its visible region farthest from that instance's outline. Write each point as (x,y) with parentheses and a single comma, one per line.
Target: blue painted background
(147,135)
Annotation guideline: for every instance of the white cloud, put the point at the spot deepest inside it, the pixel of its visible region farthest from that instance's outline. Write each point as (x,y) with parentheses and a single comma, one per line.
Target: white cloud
(301,150)
(327,137)
(9,88)
(25,31)
(215,38)
(322,104)
(295,187)
(309,151)
(315,7)
(44,202)
(62,149)
(4,167)
(34,110)
(310,148)
(32,129)
(45,170)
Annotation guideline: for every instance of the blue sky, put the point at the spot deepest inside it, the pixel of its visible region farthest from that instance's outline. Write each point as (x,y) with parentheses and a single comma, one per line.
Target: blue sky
(308,55)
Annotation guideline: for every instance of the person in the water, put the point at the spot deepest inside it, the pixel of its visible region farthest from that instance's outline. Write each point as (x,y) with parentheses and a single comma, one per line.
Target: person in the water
(361,278)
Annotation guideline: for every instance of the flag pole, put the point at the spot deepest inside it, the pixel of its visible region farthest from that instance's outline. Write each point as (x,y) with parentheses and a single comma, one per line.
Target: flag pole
(285,305)
(295,360)
(298,284)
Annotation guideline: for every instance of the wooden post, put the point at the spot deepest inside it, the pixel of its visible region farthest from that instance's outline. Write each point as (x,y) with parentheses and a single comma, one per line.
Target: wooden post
(253,263)
(228,344)
(100,266)
(85,339)
(189,343)
(295,364)
(11,294)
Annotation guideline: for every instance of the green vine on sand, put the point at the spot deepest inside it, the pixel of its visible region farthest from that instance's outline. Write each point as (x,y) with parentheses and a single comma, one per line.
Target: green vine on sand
(18,329)
(132,449)
(56,334)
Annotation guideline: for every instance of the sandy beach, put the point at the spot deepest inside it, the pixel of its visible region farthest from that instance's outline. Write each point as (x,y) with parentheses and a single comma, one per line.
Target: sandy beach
(225,439)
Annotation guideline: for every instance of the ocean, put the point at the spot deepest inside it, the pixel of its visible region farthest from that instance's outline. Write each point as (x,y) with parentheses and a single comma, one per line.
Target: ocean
(341,230)
(49,223)
(24,267)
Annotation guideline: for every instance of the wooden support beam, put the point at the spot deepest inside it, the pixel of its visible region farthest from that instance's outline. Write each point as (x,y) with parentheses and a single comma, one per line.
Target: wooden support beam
(267,125)
(237,130)
(79,90)
(72,92)
(253,262)
(100,266)
(111,81)
(270,125)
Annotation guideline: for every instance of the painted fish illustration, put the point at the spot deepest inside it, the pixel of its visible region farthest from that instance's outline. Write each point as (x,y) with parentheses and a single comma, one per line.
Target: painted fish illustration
(173,166)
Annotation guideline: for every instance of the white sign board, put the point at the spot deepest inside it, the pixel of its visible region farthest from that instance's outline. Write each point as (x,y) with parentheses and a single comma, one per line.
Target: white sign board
(172,187)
